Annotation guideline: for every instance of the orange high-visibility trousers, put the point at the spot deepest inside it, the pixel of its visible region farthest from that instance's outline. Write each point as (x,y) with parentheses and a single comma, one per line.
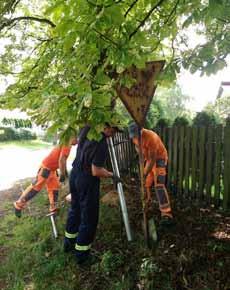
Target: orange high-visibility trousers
(45,177)
(158,176)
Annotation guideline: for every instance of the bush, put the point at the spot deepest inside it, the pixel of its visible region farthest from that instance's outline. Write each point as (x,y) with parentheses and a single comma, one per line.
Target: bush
(26,135)
(181,121)
(204,119)
(163,122)
(9,134)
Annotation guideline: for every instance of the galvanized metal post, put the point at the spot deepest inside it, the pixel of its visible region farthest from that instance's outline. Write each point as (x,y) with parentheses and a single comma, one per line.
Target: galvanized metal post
(120,190)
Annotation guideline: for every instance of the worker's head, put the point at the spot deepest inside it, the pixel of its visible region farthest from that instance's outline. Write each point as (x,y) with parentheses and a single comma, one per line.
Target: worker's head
(73,141)
(110,130)
(134,132)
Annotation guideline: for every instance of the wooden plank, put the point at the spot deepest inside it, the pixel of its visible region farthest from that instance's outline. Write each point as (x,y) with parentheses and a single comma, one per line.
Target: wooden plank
(181,159)
(169,147)
(201,162)
(194,162)
(175,156)
(188,134)
(226,175)
(217,168)
(209,164)
(164,136)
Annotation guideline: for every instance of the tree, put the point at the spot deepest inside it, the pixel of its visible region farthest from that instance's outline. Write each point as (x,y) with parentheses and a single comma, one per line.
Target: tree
(181,121)
(220,108)
(204,119)
(173,102)
(66,60)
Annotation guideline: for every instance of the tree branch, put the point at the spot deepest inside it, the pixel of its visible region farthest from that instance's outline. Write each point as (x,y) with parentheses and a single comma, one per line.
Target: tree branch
(172,12)
(106,38)
(145,19)
(9,22)
(130,7)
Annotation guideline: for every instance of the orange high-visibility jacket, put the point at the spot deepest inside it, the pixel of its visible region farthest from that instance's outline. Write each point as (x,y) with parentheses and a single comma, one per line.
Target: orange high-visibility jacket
(152,143)
(52,160)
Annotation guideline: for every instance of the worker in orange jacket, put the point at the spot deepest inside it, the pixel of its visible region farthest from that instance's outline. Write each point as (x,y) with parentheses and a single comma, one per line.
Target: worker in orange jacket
(47,176)
(156,157)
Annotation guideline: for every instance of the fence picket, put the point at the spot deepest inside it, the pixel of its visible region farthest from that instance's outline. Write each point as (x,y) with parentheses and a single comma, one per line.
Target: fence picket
(187,160)
(181,160)
(169,148)
(217,169)
(201,161)
(194,161)
(175,155)
(209,164)
(226,174)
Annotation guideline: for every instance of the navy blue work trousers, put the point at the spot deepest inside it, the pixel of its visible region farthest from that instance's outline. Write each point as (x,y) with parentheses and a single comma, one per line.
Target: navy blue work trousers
(84,211)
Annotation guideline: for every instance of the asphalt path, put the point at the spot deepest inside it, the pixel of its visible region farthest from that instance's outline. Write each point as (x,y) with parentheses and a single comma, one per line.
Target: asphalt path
(18,163)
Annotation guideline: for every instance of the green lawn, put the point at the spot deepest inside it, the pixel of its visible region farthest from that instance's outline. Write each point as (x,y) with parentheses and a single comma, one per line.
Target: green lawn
(29,144)
(192,255)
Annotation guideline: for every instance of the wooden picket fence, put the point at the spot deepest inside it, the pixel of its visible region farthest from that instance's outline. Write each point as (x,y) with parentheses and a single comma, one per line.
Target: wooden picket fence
(199,162)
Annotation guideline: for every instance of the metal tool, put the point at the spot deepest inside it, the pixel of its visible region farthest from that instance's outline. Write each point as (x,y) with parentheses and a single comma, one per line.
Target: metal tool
(54,228)
(120,190)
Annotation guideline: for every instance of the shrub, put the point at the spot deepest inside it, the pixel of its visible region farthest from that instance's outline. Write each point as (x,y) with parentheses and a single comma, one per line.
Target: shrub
(181,121)
(163,122)
(9,134)
(204,119)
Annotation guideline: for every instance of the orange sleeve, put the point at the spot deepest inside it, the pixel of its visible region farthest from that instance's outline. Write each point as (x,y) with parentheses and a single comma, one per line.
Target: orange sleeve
(65,151)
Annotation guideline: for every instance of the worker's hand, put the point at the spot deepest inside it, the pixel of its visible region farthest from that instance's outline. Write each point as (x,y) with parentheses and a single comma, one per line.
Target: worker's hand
(116,179)
(62,178)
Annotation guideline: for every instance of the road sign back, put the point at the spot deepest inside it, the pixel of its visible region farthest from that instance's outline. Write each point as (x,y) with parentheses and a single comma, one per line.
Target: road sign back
(138,97)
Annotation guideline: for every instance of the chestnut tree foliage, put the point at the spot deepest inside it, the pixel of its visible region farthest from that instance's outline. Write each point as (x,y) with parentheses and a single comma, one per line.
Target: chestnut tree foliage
(64,57)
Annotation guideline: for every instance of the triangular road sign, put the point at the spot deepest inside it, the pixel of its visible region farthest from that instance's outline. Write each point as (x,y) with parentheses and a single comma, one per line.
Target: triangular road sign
(138,97)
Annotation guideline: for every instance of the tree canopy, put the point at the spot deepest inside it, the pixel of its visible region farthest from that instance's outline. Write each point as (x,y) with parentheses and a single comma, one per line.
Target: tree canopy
(65,56)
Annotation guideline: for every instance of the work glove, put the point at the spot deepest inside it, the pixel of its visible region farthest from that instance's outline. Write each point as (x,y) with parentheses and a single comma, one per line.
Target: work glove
(116,179)
(62,178)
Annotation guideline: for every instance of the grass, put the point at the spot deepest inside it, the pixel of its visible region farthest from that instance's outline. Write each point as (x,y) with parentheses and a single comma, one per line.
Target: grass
(187,257)
(35,260)
(28,144)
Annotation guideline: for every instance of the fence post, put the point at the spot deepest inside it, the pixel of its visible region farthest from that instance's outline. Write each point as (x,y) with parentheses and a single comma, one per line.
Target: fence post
(194,161)
(226,175)
(209,164)
(169,171)
(217,169)
(181,159)
(187,159)
(201,161)
(175,155)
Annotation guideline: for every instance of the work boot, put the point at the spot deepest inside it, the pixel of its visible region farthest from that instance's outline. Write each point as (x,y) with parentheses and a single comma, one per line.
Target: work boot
(69,245)
(86,261)
(17,209)
(53,208)
(167,220)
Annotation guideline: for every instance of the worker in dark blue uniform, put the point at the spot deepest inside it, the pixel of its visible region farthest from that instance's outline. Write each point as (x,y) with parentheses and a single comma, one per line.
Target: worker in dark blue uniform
(88,168)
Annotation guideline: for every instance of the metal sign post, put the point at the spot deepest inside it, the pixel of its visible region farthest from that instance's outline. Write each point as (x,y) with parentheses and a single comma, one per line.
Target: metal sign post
(54,228)
(120,190)
(137,100)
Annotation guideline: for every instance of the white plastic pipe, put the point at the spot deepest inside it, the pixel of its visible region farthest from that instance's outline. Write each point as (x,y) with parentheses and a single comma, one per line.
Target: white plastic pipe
(120,190)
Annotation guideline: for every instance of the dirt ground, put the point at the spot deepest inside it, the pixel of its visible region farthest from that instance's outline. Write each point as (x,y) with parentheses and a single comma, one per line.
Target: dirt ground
(192,254)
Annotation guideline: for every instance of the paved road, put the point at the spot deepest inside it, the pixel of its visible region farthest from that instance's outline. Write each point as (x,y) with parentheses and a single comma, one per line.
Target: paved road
(18,163)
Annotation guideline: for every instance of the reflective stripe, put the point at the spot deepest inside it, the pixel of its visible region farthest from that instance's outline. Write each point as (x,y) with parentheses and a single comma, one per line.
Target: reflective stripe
(70,236)
(82,248)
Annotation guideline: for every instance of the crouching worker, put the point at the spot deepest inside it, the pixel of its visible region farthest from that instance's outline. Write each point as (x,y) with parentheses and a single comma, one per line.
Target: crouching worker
(47,176)
(155,156)
(88,168)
